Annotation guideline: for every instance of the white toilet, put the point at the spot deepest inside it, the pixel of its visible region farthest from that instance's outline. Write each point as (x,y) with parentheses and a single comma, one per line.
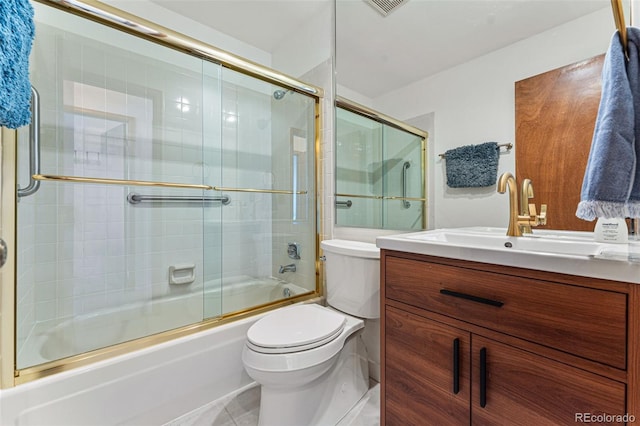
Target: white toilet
(310,360)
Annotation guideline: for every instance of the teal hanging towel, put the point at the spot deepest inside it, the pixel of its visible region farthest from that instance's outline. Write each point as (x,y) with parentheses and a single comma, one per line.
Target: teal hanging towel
(16,38)
(472,165)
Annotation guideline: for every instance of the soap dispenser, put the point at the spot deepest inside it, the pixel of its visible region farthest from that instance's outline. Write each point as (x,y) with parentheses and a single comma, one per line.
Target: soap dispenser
(611,230)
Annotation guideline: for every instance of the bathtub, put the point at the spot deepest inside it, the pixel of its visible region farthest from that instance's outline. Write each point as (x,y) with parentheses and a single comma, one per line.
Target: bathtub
(84,333)
(150,386)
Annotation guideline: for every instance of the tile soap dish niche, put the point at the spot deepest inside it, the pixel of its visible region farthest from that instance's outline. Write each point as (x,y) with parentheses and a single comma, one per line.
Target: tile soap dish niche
(182,274)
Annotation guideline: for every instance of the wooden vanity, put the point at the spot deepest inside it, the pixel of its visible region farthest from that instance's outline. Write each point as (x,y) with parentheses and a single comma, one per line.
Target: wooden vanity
(475,343)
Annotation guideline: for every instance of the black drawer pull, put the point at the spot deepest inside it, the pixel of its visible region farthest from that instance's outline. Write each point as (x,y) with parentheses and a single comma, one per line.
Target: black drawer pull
(483,377)
(471,297)
(456,365)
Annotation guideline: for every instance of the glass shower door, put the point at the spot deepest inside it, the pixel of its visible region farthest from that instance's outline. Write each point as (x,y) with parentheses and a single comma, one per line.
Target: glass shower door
(172,191)
(403,178)
(380,171)
(359,170)
(267,170)
(108,252)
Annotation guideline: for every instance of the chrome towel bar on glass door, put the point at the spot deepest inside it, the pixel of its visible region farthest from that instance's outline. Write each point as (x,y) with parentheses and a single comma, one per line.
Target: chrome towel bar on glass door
(134,198)
(34,146)
(405,204)
(381,197)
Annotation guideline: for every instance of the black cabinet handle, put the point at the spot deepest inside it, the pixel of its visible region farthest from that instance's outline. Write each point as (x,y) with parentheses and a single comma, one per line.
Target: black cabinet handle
(471,297)
(456,365)
(483,377)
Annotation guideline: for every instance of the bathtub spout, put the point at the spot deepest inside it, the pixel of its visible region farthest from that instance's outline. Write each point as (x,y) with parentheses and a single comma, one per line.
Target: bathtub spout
(287,268)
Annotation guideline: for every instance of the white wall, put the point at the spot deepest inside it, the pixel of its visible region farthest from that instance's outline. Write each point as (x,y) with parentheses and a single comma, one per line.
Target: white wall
(352,95)
(169,19)
(309,45)
(474,103)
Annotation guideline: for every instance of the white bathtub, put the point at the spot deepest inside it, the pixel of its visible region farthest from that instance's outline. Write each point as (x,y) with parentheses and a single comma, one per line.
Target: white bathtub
(151,386)
(83,333)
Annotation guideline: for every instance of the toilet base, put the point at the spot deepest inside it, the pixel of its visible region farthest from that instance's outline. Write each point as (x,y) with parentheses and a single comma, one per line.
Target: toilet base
(325,400)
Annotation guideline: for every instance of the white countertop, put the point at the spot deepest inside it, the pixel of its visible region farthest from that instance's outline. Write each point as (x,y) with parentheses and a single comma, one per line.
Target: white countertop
(618,262)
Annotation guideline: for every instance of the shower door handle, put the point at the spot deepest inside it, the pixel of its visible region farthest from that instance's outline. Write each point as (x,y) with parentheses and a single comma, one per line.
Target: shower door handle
(4,252)
(405,204)
(34,146)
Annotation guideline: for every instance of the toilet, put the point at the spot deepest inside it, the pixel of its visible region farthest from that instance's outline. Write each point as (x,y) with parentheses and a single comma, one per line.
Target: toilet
(310,360)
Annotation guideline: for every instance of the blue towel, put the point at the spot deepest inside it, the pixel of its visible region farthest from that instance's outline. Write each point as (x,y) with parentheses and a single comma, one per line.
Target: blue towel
(611,185)
(472,165)
(16,37)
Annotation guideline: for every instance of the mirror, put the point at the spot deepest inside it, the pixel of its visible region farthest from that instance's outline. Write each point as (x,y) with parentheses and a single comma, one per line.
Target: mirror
(457,62)
(380,168)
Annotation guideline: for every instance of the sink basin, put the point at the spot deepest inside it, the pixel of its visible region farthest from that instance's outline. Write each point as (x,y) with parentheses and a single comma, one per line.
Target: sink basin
(568,252)
(558,242)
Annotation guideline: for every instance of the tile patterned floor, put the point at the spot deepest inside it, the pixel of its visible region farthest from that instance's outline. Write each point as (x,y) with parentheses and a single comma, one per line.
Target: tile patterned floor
(241,409)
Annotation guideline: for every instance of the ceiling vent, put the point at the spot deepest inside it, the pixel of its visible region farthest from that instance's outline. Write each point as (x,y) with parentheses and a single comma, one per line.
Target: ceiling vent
(385,7)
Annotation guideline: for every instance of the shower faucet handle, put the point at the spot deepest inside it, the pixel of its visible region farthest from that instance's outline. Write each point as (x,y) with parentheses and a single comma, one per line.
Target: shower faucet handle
(293,250)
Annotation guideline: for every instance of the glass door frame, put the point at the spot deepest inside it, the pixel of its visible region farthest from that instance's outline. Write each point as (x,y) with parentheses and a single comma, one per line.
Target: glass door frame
(120,20)
(367,112)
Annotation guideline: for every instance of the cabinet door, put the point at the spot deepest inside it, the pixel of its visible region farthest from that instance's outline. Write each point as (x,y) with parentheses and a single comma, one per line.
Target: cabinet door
(522,388)
(427,380)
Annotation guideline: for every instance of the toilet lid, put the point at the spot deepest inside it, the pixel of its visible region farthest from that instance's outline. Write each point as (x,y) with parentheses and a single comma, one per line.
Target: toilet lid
(294,329)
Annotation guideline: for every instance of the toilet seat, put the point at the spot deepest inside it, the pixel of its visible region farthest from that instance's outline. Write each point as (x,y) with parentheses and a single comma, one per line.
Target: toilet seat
(294,329)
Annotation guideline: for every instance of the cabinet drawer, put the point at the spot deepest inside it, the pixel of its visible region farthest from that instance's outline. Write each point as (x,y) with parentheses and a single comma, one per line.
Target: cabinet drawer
(586,322)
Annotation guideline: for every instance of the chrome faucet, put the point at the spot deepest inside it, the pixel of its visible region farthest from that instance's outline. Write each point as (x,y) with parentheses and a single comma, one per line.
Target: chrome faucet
(528,216)
(287,268)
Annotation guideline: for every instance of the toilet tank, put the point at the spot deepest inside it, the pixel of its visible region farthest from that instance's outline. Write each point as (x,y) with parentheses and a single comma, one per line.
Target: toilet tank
(353,277)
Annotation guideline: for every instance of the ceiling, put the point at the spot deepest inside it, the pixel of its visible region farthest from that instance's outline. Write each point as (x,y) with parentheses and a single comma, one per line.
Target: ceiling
(260,23)
(376,54)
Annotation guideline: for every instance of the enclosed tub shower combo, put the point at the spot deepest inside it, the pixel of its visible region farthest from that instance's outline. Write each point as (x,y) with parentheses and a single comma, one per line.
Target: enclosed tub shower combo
(164,187)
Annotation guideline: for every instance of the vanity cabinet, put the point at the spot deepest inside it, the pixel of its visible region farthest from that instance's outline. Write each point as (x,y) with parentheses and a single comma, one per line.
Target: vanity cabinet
(427,371)
(472,343)
(521,387)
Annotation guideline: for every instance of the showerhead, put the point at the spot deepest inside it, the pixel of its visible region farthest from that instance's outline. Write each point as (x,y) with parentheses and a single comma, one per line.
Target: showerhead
(279,94)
